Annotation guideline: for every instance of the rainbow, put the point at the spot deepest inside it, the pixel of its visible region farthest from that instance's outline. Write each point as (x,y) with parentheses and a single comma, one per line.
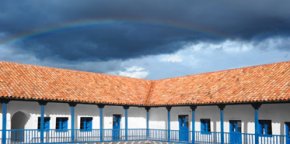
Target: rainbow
(91,22)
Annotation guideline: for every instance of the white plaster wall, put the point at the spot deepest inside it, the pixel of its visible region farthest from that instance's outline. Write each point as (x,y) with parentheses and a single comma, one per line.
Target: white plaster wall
(54,110)
(31,109)
(158,118)
(175,112)
(108,116)
(84,110)
(137,117)
(278,113)
(245,113)
(207,112)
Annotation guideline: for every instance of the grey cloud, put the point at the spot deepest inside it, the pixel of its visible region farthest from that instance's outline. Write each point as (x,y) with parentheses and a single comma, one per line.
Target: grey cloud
(119,40)
(139,28)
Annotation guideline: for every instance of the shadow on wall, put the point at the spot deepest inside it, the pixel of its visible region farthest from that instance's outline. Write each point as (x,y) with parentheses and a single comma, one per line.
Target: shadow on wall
(158,116)
(18,122)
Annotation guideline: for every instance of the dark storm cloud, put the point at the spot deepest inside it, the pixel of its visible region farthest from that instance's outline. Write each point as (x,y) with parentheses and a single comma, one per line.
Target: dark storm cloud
(181,21)
(120,40)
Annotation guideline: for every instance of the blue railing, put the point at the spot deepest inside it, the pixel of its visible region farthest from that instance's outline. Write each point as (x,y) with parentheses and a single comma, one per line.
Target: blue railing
(29,136)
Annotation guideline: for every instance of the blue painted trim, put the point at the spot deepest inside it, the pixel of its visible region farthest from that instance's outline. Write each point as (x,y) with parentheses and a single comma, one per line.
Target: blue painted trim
(72,114)
(86,124)
(168,123)
(222,123)
(193,124)
(4,120)
(287,129)
(101,110)
(126,122)
(264,126)
(147,121)
(205,127)
(256,126)
(42,109)
(256,115)
(61,124)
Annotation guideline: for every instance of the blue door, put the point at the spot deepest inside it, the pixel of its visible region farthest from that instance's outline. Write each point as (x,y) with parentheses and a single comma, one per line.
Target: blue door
(287,132)
(46,123)
(235,132)
(116,127)
(183,127)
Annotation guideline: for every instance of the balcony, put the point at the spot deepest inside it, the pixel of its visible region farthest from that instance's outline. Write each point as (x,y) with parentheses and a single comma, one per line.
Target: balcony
(28,136)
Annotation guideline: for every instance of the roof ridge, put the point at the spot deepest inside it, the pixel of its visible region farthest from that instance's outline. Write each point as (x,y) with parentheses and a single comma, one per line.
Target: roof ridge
(149,92)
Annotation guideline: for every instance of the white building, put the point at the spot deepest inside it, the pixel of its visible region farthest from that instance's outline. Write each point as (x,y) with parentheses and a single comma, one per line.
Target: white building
(48,105)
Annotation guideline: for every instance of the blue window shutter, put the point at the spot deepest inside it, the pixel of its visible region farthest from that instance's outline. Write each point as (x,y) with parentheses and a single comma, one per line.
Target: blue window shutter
(60,124)
(89,124)
(266,128)
(202,126)
(85,124)
(260,128)
(205,125)
(65,124)
(46,123)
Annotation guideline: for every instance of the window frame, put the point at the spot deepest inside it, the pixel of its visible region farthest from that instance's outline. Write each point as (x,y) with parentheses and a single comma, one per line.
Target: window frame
(261,127)
(203,123)
(59,124)
(84,122)
(45,119)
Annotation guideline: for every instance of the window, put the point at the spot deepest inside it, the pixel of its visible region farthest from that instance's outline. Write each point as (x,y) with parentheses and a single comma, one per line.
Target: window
(46,123)
(205,126)
(61,123)
(86,123)
(265,127)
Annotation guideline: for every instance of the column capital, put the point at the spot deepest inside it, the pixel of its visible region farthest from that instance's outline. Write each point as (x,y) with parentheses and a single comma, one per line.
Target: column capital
(126,107)
(147,108)
(72,104)
(101,105)
(168,108)
(256,105)
(4,101)
(193,107)
(42,102)
(222,106)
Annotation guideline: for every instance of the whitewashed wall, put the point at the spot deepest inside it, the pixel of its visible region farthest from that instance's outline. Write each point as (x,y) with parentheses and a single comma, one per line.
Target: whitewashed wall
(278,113)
(136,115)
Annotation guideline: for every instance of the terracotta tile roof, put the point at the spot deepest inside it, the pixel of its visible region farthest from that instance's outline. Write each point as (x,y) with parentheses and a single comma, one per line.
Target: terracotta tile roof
(41,83)
(265,83)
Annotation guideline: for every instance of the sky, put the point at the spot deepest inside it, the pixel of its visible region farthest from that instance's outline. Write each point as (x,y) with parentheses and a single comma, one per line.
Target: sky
(148,39)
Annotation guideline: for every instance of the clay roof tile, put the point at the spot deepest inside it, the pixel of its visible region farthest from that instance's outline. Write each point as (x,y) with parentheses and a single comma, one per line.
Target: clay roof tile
(264,83)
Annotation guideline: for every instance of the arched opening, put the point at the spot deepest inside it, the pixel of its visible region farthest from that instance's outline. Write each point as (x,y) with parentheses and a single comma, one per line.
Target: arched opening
(18,122)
